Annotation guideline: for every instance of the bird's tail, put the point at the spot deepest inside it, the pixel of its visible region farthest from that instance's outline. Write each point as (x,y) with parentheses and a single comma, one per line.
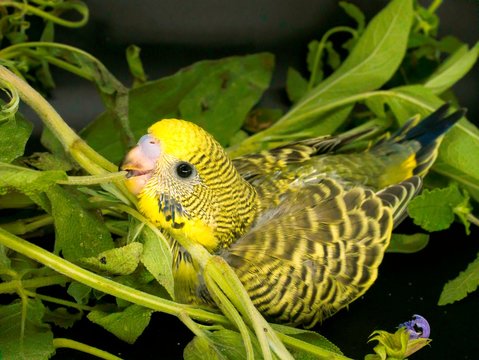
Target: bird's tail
(424,136)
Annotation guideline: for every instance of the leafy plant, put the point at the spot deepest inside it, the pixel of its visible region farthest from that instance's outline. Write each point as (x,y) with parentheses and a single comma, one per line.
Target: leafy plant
(104,246)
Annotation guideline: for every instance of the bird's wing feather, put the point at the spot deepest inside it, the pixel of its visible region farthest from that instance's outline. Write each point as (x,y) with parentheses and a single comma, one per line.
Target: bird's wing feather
(313,254)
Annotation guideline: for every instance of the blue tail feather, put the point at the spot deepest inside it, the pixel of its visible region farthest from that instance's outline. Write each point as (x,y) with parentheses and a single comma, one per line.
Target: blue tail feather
(433,126)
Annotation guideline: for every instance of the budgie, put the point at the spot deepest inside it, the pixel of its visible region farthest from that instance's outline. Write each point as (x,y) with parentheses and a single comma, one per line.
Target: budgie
(304,226)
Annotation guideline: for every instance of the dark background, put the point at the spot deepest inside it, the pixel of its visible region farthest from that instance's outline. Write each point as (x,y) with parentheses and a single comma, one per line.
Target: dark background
(174,34)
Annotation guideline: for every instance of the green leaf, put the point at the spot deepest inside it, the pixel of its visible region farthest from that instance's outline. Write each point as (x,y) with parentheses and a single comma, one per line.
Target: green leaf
(36,342)
(311,337)
(314,61)
(216,94)
(79,233)
(466,282)
(127,325)
(218,345)
(14,134)
(453,69)
(372,62)
(407,244)
(47,161)
(81,293)
(62,317)
(354,12)
(433,210)
(135,65)
(119,261)
(457,153)
(395,346)
(158,259)
(296,85)
(5,262)
(28,181)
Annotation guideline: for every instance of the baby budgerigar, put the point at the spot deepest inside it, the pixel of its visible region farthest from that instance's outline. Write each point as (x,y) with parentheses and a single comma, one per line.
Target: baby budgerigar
(304,226)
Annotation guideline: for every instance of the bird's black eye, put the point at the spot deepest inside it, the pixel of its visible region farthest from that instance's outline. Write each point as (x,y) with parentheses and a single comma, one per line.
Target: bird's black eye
(184,170)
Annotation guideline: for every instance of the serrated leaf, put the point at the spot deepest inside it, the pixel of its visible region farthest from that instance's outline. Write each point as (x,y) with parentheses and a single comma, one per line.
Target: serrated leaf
(215,94)
(79,232)
(296,85)
(37,340)
(407,244)
(453,69)
(466,282)
(311,337)
(14,134)
(433,210)
(158,260)
(127,325)
(62,317)
(219,345)
(119,261)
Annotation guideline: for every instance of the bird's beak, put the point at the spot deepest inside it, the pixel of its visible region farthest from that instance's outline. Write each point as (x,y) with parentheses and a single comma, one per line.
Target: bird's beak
(139,167)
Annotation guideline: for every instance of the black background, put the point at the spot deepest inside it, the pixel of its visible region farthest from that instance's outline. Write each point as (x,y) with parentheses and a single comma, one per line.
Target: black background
(174,34)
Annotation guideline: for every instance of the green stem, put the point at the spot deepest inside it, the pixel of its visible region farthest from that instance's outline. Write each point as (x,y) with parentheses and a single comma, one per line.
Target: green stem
(321,353)
(94,179)
(105,285)
(230,311)
(319,51)
(471,218)
(23,226)
(75,345)
(12,286)
(55,300)
(69,139)
(83,154)
(78,6)
(229,282)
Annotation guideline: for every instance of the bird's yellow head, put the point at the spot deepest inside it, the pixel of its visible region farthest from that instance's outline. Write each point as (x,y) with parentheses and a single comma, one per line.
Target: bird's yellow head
(186,183)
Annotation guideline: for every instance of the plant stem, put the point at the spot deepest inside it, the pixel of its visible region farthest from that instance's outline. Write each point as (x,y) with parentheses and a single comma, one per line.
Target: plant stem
(321,353)
(83,154)
(12,286)
(471,218)
(105,285)
(79,7)
(94,179)
(55,300)
(319,51)
(72,344)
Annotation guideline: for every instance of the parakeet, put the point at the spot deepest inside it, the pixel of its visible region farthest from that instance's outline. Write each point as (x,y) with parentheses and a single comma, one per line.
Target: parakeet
(304,226)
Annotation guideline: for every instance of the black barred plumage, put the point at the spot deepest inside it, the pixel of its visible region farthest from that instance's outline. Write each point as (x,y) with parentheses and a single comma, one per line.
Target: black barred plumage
(305,226)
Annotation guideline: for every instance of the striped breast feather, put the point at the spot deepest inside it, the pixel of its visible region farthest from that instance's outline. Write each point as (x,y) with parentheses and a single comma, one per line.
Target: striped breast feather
(315,253)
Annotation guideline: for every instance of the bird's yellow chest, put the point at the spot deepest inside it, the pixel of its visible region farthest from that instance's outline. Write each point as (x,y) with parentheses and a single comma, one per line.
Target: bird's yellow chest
(179,226)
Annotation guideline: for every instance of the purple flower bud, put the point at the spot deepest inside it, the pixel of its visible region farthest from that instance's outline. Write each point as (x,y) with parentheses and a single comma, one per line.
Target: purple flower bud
(418,327)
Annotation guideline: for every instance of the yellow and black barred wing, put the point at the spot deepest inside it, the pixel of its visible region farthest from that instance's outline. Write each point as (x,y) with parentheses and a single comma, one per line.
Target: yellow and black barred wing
(315,253)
